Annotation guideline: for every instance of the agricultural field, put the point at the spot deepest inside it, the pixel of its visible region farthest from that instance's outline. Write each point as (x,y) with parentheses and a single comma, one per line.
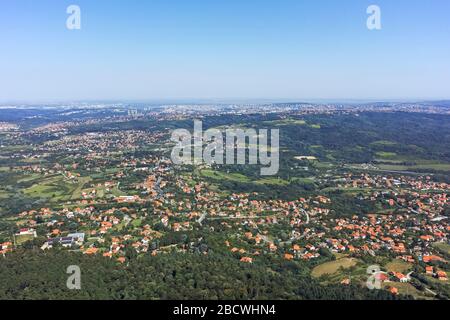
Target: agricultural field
(218,175)
(56,188)
(23,238)
(442,246)
(332,267)
(398,266)
(408,289)
(423,166)
(285,122)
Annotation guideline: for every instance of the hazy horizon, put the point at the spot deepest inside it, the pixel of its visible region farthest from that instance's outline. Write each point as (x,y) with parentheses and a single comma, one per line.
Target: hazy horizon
(216,101)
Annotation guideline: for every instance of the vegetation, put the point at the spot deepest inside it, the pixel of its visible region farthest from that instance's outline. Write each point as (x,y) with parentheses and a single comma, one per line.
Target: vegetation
(173,276)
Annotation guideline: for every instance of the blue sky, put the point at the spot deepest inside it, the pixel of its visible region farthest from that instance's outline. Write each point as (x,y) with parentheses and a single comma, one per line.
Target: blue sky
(224,49)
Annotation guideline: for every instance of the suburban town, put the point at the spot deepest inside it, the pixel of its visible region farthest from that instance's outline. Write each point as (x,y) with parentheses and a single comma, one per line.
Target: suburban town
(115,193)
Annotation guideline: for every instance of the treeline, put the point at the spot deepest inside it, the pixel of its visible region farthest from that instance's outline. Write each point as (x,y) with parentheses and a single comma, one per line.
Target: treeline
(42,275)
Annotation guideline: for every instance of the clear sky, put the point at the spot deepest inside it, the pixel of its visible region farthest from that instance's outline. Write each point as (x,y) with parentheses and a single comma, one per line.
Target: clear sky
(224,49)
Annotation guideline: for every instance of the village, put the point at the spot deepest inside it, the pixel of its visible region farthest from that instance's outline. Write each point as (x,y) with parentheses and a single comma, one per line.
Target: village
(117,194)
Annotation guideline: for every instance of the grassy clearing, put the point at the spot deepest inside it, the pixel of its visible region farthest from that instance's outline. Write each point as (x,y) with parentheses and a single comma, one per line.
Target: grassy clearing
(323,165)
(383,143)
(386,155)
(394,161)
(31,161)
(29,177)
(282,182)
(303,180)
(79,187)
(286,122)
(15,148)
(398,266)
(237,177)
(136,223)
(273,181)
(407,289)
(429,166)
(217,175)
(56,188)
(441,246)
(4,194)
(23,238)
(333,267)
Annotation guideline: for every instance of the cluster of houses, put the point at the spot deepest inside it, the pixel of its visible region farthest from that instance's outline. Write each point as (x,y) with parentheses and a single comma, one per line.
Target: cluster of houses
(412,216)
(303,218)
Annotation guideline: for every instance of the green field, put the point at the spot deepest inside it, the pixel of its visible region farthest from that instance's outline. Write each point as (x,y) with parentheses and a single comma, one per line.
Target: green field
(429,166)
(136,223)
(383,143)
(15,148)
(408,289)
(443,247)
(4,194)
(273,181)
(23,238)
(398,266)
(386,155)
(237,177)
(397,162)
(286,122)
(323,165)
(332,267)
(218,175)
(56,188)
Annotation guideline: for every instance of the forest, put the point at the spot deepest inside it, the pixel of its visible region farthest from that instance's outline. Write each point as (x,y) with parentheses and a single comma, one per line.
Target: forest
(39,275)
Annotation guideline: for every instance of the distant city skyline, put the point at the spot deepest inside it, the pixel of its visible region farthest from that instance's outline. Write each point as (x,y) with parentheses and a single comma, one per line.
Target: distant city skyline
(199,50)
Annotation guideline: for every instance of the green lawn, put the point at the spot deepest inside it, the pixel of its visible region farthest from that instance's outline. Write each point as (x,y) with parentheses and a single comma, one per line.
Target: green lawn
(398,266)
(286,122)
(273,181)
(237,177)
(333,266)
(429,166)
(441,246)
(23,238)
(407,289)
(218,175)
(383,143)
(4,194)
(77,193)
(56,188)
(386,155)
(136,223)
